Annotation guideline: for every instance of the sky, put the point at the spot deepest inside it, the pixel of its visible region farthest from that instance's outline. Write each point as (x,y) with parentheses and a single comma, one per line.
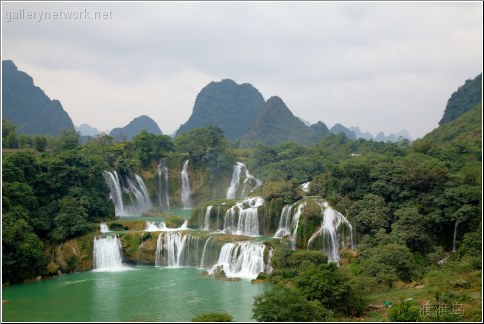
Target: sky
(381,66)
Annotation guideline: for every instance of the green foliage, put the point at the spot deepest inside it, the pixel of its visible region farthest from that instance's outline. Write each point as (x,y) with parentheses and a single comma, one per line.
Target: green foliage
(466,97)
(213,317)
(206,146)
(370,214)
(9,135)
(174,221)
(405,311)
(150,147)
(282,304)
(288,192)
(325,284)
(22,250)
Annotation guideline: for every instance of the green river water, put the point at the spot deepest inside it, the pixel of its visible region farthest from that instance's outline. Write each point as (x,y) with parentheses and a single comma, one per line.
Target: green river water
(145,293)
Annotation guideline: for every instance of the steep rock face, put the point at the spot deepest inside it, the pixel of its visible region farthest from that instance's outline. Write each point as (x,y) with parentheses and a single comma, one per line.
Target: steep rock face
(276,124)
(466,97)
(225,104)
(135,127)
(28,107)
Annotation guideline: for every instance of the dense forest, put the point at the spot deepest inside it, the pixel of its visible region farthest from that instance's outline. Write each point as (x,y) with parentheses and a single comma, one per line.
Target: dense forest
(405,200)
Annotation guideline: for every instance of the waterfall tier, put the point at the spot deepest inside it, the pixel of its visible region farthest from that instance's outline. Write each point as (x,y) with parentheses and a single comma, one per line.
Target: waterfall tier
(186,196)
(334,233)
(249,184)
(107,254)
(163,193)
(243,217)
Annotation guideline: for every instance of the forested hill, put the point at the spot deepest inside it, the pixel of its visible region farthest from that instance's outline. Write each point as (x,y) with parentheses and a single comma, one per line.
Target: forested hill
(135,127)
(465,98)
(225,104)
(276,124)
(28,107)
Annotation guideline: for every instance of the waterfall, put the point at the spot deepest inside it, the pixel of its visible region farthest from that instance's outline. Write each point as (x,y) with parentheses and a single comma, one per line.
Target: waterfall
(455,235)
(107,254)
(239,169)
(161,227)
(204,252)
(333,221)
(144,191)
(104,228)
(285,222)
(173,249)
(248,218)
(116,194)
(186,191)
(206,223)
(242,259)
(295,224)
(164,200)
(159,247)
(305,187)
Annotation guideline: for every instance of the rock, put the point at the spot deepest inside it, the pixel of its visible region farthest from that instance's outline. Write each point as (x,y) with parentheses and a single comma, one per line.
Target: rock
(38,278)
(204,273)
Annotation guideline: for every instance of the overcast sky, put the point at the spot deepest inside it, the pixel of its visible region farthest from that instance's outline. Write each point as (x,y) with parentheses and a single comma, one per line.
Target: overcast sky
(380,66)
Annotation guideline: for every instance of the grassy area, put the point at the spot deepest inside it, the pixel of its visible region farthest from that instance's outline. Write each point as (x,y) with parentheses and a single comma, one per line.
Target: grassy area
(456,282)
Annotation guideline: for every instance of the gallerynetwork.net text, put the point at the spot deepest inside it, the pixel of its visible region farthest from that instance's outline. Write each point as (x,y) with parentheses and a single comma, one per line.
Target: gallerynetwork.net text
(39,16)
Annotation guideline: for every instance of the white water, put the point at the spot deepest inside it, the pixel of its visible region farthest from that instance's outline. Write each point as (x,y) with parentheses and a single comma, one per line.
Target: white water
(250,183)
(161,227)
(186,196)
(107,254)
(455,235)
(204,252)
(164,199)
(295,224)
(305,187)
(116,194)
(206,221)
(285,222)
(173,249)
(104,228)
(332,222)
(245,215)
(242,259)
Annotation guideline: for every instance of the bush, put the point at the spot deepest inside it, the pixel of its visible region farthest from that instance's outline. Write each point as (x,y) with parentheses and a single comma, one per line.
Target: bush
(282,304)
(213,317)
(174,221)
(404,312)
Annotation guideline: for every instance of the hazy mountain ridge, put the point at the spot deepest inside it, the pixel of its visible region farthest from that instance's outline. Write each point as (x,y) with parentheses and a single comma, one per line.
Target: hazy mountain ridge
(134,127)
(225,104)
(28,107)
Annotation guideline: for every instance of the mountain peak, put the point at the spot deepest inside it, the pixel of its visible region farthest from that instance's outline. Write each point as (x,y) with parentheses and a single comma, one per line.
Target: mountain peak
(134,127)
(28,107)
(226,104)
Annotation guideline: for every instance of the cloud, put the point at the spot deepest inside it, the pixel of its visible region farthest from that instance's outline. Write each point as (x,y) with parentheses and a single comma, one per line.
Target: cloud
(380,66)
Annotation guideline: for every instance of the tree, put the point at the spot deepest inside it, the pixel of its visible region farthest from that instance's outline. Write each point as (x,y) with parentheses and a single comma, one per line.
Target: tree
(213,317)
(150,147)
(410,229)
(325,284)
(281,304)
(370,214)
(22,250)
(207,146)
(71,219)
(9,136)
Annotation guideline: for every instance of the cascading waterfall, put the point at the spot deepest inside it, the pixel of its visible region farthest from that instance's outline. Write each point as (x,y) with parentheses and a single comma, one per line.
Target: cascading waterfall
(107,254)
(285,222)
(333,222)
(247,219)
(204,252)
(239,169)
(116,194)
(173,249)
(161,227)
(295,224)
(242,259)
(164,199)
(305,187)
(455,235)
(144,192)
(206,222)
(104,228)
(186,196)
